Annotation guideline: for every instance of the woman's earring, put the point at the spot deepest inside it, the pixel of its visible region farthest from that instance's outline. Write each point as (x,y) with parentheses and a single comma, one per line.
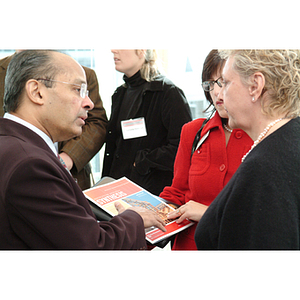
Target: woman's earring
(253,99)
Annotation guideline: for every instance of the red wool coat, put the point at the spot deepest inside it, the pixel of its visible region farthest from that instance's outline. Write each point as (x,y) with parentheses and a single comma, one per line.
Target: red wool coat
(211,167)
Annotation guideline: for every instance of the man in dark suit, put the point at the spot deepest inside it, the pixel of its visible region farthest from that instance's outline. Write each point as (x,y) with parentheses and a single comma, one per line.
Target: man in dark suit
(41,205)
(77,152)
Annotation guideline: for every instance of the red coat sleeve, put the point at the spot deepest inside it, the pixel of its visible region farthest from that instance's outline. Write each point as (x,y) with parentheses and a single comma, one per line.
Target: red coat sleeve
(177,191)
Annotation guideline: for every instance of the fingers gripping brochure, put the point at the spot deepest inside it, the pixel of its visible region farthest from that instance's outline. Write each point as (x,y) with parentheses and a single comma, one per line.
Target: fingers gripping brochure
(130,194)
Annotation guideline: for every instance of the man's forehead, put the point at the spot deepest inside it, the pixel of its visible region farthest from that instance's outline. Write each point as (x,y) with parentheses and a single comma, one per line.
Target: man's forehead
(70,68)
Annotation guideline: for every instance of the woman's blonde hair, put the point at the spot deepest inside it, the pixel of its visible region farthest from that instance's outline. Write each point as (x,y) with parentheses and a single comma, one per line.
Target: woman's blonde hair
(281,69)
(149,69)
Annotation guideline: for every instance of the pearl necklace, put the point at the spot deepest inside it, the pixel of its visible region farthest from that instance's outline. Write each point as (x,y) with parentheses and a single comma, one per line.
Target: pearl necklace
(261,136)
(229,130)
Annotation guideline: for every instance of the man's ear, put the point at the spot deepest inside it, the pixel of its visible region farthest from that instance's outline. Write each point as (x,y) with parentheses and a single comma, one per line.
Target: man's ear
(257,86)
(34,91)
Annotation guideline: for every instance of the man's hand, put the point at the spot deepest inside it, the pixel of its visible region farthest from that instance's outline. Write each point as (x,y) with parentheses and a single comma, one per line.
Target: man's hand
(150,218)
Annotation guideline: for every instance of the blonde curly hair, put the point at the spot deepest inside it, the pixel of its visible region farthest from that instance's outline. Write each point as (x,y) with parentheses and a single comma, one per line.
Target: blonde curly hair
(281,69)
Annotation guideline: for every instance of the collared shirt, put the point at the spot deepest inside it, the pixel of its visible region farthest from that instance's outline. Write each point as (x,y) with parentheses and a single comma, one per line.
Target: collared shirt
(44,136)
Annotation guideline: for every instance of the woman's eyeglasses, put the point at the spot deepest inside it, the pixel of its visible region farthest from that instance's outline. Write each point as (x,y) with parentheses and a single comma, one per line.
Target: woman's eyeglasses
(209,85)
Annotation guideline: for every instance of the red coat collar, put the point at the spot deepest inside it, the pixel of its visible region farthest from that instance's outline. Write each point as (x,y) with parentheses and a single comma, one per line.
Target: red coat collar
(214,122)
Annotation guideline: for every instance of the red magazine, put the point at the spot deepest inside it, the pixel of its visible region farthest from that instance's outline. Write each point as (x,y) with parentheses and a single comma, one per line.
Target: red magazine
(130,194)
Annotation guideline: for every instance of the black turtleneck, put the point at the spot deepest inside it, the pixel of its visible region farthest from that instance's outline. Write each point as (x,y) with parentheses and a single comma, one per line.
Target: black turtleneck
(135,86)
(135,80)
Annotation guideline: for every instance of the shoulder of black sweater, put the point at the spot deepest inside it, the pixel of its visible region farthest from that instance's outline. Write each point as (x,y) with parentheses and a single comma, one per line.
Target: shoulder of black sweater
(159,83)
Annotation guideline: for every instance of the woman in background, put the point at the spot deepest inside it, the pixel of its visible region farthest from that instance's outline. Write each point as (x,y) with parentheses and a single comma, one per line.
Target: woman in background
(147,115)
(202,171)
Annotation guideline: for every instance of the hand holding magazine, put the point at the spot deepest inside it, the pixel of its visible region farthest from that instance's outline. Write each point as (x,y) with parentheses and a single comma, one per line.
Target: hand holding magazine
(129,194)
(149,218)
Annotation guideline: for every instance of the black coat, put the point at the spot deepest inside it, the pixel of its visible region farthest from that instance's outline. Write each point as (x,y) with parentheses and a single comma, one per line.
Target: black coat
(165,109)
(259,208)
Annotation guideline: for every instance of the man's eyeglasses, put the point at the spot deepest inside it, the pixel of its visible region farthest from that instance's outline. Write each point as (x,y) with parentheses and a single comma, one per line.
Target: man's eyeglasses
(83,87)
(209,85)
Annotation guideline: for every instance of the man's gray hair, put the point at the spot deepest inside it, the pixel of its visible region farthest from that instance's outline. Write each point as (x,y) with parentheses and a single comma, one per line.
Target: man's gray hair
(26,65)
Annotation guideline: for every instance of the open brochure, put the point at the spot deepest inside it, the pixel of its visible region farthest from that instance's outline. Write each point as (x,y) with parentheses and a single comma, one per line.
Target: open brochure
(130,194)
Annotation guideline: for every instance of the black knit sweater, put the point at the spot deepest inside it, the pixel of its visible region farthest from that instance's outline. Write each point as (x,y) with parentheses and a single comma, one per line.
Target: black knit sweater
(260,206)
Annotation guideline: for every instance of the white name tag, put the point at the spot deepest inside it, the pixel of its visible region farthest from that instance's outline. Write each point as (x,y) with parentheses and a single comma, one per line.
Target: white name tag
(133,128)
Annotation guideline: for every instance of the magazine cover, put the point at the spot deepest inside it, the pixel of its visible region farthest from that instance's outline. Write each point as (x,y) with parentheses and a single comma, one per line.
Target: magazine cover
(130,194)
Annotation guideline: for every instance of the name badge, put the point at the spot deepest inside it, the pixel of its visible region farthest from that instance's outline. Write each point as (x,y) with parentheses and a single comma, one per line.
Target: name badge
(133,128)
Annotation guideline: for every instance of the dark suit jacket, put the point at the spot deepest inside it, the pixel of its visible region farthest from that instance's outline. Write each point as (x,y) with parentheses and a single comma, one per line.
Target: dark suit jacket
(83,148)
(42,207)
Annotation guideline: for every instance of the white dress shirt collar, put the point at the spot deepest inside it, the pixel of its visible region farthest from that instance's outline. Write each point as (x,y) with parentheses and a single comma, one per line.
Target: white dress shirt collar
(43,135)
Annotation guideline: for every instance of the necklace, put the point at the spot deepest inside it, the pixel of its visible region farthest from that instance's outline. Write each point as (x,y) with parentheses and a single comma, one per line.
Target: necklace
(261,136)
(229,130)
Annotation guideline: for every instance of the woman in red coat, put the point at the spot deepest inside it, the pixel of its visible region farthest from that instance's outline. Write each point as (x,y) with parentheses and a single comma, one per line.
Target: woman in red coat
(201,171)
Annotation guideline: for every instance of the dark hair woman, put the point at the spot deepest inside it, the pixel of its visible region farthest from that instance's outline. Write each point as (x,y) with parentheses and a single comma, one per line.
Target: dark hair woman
(206,158)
